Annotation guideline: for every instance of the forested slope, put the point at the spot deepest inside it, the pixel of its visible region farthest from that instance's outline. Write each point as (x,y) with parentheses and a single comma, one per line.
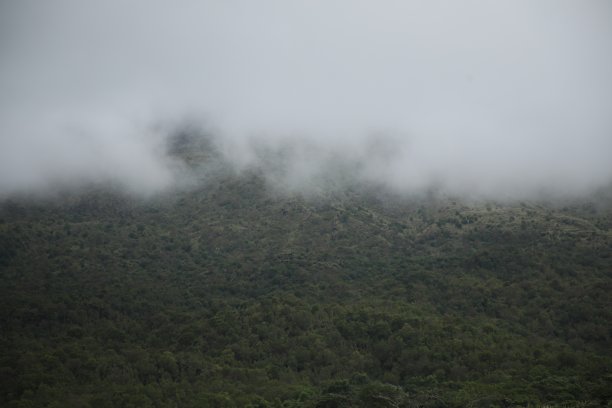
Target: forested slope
(230,294)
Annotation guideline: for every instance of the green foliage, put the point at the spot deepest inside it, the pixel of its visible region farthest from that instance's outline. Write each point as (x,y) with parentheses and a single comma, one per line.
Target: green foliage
(229,296)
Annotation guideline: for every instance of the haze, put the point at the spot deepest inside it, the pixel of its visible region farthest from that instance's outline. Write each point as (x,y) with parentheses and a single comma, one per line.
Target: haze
(490,98)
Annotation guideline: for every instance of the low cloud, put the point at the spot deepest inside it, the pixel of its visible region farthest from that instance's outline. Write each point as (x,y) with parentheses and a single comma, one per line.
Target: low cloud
(496,99)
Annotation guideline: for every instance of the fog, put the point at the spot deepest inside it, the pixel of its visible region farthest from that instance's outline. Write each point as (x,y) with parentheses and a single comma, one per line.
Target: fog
(499,99)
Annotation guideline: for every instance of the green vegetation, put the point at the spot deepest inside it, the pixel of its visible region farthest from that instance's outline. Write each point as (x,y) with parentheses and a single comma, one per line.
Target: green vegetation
(230,296)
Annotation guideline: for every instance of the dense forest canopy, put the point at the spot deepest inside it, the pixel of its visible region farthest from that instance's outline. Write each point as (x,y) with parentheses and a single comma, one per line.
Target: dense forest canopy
(230,293)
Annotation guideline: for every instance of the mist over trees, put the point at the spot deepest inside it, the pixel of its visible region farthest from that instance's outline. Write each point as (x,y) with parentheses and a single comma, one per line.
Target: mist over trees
(305,204)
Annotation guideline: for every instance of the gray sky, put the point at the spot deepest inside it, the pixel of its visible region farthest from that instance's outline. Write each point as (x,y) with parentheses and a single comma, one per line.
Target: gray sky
(496,98)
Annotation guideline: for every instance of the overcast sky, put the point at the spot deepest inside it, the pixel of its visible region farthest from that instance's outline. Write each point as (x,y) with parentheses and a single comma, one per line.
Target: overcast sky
(487,97)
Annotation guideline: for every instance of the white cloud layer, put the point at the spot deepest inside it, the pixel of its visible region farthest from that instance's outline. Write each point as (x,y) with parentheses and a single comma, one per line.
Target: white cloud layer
(485,97)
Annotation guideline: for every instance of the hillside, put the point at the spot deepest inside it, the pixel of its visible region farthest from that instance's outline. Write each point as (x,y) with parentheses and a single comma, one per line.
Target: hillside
(231,294)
